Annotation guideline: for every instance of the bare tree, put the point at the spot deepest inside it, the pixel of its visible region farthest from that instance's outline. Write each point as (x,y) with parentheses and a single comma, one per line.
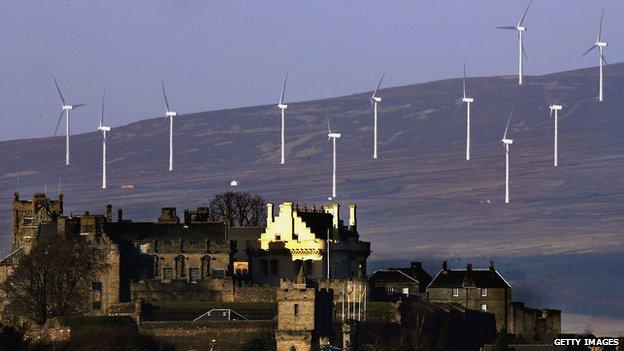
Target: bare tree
(238,209)
(54,278)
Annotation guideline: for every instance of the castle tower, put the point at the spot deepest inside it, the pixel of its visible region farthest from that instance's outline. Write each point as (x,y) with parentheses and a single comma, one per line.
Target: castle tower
(28,215)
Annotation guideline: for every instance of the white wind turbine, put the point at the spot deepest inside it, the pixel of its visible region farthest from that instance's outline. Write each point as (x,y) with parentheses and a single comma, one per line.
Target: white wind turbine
(282,106)
(333,136)
(506,142)
(104,129)
(556,108)
(374,101)
(65,108)
(169,114)
(521,52)
(468,101)
(600,45)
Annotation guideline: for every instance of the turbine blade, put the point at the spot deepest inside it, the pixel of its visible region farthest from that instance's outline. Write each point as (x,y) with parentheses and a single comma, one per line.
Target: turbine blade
(59,90)
(464,82)
(524,53)
(524,15)
(281,100)
(604,60)
(58,122)
(379,84)
(102,114)
(600,29)
(508,27)
(508,120)
(165,95)
(328,126)
(588,50)
(79,105)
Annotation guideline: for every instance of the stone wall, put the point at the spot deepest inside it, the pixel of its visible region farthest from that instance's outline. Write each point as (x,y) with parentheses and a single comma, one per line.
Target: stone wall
(182,290)
(530,324)
(254,294)
(228,335)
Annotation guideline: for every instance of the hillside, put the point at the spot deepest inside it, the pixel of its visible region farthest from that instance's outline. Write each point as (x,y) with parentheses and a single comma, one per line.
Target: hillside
(420,199)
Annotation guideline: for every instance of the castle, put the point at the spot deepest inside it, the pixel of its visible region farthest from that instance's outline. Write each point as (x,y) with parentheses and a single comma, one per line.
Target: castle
(305,261)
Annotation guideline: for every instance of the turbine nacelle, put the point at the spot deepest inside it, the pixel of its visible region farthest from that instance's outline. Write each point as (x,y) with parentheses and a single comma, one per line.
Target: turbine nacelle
(507,141)
(282,106)
(520,28)
(104,128)
(67,107)
(375,99)
(171,114)
(467,100)
(556,107)
(601,44)
(333,135)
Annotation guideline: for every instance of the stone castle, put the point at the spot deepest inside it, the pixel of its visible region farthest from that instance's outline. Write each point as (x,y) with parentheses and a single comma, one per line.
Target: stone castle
(302,260)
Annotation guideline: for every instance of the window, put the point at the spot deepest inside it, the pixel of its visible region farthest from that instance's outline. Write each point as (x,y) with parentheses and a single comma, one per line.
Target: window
(390,289)
(97,305)
(484,308)
(264,267)
(218,273)
(143,248)
(455,292)
(168,273)
(274,267)
(296,309)
(193,275)
(406,291)
(96,286)
(483,292)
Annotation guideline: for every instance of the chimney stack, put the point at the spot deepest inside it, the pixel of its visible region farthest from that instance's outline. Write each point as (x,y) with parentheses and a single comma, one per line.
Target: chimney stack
(491,266)
(416,266)
(16,196)
(469,267)
(109,213)
(270,216)
(119,215)
(352,217)
(334,210)
(444,266)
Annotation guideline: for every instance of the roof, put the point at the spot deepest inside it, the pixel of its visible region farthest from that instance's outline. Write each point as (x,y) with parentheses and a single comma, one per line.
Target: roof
(391,276)
(417,272)
(165,231)
(12,258)
(318,222)
(482,278)
(242,234)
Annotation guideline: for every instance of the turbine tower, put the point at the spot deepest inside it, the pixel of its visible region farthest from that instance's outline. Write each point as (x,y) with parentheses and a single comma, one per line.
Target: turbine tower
(556,108)
(506,142)
(600,45)
(333,136)
(66,109)
(521,52)
(104,129)
(169,114)
(468,101)
(282,106)
(374,101)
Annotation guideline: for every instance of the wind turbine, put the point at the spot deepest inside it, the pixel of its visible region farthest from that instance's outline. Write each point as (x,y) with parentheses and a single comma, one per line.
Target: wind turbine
(65,108)
(506,142)
(333,136)
(468,101)
(521,52)
(600,45)
(374,101)
(556,108)
(104,129)
(170,114)
(282,106)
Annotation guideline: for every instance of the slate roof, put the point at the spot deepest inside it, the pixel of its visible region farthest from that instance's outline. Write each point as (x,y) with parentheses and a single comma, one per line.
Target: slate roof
(482,278)
(165,231)
(420,274)
(391,276)
(318,222)
(243,234)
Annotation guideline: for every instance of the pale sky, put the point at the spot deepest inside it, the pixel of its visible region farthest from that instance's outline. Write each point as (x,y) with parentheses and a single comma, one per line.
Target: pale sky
(224,54)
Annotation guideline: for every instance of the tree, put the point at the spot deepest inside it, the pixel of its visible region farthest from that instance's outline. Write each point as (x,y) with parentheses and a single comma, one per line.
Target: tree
(11,339)
(238,209)
(501,343)
(54,278)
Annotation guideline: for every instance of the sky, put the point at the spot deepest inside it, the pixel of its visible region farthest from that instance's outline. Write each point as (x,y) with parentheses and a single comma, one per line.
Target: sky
(225,54)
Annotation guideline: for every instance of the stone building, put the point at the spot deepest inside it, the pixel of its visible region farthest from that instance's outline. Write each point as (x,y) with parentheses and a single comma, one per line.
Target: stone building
(395,283)
(487,290)
(315,238)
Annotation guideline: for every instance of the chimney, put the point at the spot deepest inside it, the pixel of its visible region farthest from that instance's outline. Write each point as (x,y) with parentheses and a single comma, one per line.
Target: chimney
(334,210)
(270,216)
(119,215)
(352,217)
(416,266)
(16,196)
(109,213)
(491,266)
(444,266)
(469,267)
